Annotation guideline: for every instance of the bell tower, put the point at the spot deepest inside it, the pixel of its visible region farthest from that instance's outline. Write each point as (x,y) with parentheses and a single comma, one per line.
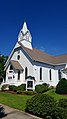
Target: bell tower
(25,37)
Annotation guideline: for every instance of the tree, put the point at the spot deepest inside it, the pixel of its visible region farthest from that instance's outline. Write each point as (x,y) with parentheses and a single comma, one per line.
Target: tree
(2,63)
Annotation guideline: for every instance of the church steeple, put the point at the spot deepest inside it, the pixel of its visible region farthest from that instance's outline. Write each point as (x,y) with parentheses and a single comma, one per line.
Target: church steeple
(24,29)
(25,37)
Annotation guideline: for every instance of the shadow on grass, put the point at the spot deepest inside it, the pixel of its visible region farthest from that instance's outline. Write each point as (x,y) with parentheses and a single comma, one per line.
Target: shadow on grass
(2,112)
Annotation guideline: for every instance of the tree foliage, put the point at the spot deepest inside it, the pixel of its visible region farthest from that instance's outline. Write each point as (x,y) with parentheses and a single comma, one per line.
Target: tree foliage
(2,62)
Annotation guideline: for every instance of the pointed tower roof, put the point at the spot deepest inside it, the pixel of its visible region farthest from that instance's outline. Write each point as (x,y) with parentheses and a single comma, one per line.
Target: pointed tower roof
(24,29)
(25,37)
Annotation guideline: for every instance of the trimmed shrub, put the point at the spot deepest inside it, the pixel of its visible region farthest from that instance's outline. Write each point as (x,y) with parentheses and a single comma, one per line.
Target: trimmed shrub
(58,113)
(19,92)
(40,105)
(45,106)
(61,87)
(17,89)
(41,88)
(5,87)
(22,87)
(13,88)
(63,103)
(46,85)
(30,92)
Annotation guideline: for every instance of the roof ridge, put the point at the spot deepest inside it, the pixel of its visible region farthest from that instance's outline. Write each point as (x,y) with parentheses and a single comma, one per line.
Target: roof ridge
(41,56)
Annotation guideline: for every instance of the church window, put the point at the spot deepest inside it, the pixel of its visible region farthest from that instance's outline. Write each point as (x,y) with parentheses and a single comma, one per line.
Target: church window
(19,75)
(59,74)
(26,72)
(18,57)
(11,67)
(40,73)
(50,74)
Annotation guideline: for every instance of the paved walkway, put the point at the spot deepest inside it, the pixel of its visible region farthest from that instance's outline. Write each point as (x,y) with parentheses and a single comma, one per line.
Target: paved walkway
(12,113)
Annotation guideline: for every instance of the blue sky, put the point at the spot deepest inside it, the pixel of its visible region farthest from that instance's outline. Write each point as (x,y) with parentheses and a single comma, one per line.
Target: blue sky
(46,20)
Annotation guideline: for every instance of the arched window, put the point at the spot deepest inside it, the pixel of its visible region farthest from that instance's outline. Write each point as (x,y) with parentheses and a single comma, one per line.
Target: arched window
(50,74)
(19,75)
(18,57)
(26,72)
(40,73)
(59,74)
(11,67)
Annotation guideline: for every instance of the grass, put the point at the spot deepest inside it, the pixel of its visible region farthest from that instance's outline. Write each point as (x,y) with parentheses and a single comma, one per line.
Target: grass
(19,101)
(55,95)
(14,100)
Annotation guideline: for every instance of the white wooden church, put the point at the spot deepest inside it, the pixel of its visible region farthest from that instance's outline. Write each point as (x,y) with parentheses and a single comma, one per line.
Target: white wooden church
(30,66)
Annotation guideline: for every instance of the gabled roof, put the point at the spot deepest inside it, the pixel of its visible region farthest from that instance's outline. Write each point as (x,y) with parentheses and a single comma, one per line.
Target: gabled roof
(40,56)
(60,59)
(16,65)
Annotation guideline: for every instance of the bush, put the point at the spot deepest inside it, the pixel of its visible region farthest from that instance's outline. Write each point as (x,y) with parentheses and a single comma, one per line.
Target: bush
(63,103)
(40,105)
(17,89)
(26,92)
(13,88)
(5,87)
(61,87)
(19,92)
(22,87)
(30,92)
(58,113)
(41,88)
(45,106)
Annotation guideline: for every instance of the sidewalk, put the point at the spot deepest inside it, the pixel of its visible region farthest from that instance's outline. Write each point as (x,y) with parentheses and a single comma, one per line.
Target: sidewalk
(12,113)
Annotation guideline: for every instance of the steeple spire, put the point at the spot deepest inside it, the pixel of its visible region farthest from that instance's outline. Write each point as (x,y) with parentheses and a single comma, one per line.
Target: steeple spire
(24,29)
(25,37)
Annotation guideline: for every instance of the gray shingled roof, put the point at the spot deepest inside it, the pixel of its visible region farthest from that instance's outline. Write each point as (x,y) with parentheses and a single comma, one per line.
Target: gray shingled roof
(40,56)
(16,65)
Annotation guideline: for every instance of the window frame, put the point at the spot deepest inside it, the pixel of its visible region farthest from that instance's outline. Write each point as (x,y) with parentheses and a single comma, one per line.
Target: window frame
(11,68)
(59,74)
(40,73)
(26,72)
(18,57)
(50,74)
(19,74)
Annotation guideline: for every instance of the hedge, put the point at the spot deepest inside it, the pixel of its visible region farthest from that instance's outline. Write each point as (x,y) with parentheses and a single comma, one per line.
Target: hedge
(45,106)
(40,105)
(63,103)
(13,88)
(41,88)
(5,87)
(61,87)
(22,87)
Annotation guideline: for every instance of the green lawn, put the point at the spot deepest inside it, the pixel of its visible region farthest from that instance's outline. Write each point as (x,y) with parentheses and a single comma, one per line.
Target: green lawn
(55,95)
(19,101)
(14,100)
